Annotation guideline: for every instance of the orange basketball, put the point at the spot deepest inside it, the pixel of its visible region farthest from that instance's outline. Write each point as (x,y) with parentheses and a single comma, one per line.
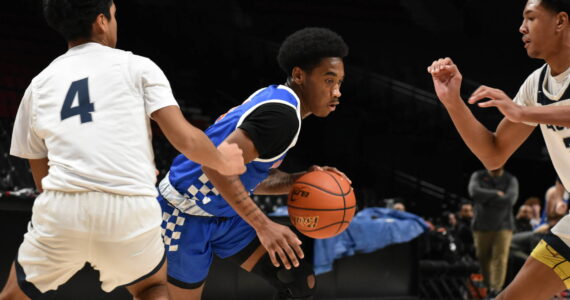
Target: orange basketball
(321,204)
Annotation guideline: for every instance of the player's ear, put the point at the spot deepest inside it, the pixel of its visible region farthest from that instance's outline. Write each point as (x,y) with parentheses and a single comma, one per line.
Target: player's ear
(298,75)
(561,20)
(99,26)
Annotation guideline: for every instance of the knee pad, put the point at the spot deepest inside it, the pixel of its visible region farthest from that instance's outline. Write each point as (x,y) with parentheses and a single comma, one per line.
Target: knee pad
(296,283)
(300,281)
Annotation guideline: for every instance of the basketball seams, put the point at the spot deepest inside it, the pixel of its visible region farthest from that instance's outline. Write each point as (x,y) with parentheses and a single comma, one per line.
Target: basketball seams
(321,209)
(310,189)
(321,189)
(343,201)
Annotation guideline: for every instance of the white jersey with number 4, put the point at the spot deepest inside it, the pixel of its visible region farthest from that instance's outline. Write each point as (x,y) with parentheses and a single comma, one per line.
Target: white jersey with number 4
(541,88)
(88,113)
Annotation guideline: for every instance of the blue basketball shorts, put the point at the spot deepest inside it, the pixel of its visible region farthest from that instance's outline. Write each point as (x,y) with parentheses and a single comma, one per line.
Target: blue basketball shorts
(191,241)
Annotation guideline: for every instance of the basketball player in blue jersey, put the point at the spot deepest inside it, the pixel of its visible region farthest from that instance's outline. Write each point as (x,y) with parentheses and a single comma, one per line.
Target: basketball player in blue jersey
(84,125)
(206,213)
(543,100)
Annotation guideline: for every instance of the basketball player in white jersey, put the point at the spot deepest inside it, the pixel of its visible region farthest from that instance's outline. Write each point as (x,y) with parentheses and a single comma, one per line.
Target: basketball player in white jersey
(543,99)
(84,125)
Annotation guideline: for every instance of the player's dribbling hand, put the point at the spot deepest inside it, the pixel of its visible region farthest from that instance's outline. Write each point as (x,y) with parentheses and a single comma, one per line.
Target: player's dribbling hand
(498,99)
(446,80)
(331,169)
(280,241)
(233,158)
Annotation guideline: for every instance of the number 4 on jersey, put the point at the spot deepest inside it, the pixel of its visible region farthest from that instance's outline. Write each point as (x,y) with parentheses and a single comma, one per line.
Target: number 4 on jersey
(84,107)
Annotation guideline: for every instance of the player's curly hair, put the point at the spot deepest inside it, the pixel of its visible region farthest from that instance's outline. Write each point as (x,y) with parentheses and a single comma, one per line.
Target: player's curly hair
(305,48)
(73,18)
(556,5)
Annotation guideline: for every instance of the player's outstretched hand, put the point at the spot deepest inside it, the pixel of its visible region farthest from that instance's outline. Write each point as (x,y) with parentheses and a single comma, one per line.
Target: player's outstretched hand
(233,158)
(498,99)
(331,169)
(280,241)
(446,80)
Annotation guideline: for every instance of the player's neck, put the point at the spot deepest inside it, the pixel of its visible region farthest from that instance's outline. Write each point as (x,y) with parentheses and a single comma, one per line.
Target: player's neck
(74,43)
(305,112)
(559,62)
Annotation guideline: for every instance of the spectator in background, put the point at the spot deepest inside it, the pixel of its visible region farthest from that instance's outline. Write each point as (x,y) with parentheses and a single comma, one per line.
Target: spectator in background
(551,220)
(534,203)
(466,211)
(445,236)
(399,206)
(526,238)
(555,202)
(494,193)
(464,234)
(522,220)
(449,221)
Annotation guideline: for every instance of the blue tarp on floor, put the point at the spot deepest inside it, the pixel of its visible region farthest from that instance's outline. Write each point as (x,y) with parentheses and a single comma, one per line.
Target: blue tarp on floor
(371,229)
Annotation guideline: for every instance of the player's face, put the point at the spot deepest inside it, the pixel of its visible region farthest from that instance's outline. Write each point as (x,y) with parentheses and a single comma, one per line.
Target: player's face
(323,83)
(539,28)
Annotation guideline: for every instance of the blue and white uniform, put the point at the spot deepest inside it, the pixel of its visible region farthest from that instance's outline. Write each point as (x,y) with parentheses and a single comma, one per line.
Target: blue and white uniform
(197,221)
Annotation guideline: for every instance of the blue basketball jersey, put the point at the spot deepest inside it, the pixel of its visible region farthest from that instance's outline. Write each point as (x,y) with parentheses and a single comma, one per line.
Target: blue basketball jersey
(187,178)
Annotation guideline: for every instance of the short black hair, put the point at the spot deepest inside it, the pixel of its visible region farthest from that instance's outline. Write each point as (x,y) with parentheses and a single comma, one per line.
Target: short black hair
(306,48)
(556,5)
(73,18)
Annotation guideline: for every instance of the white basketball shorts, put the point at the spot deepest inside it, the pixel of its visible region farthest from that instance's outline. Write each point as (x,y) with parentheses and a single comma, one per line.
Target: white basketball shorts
(118,235)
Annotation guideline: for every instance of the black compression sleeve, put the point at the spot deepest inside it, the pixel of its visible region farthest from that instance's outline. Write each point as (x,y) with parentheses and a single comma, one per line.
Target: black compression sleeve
(271,127)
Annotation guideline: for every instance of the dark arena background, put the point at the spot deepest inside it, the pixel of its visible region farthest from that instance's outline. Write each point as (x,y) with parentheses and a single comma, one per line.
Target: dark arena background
(390,134)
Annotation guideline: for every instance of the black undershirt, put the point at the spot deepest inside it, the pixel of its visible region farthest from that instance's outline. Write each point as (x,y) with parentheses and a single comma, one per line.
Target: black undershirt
(271,127)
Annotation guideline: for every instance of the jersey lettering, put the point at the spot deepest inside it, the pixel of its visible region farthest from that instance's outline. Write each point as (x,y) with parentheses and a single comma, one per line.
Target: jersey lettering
(555,128)
(84,107)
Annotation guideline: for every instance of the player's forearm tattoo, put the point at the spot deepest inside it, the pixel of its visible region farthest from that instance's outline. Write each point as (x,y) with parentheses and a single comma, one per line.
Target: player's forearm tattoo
(240,192)
(254,209)
(256,218)
(241,196)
